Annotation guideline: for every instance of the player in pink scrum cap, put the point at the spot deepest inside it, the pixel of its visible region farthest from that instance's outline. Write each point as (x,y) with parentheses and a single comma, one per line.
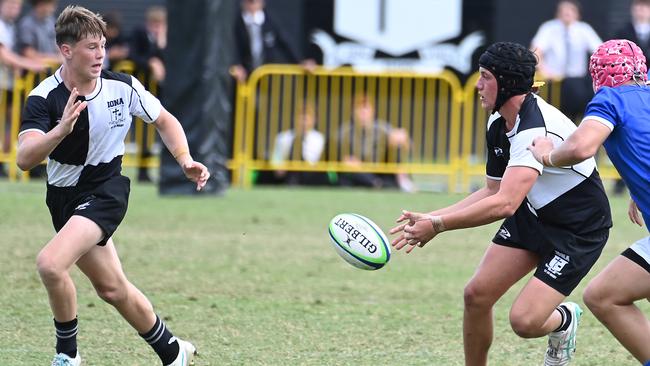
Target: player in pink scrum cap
(618,117)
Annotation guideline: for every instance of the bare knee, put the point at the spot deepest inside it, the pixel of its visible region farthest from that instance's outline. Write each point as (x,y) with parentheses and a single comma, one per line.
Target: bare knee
(596,299)
(112,293)
(524,324)
(477,297)
(48,269)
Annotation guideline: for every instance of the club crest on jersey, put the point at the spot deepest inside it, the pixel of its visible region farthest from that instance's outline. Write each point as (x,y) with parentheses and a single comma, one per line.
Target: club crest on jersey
(116,111)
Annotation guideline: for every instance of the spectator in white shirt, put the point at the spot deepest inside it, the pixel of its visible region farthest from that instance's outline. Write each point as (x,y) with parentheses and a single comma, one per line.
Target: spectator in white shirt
(563,46)
(303,143)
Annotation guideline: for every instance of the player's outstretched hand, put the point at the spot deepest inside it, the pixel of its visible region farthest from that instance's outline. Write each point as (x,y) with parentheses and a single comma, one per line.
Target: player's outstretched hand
(71,112)
(196,172)
(416,231)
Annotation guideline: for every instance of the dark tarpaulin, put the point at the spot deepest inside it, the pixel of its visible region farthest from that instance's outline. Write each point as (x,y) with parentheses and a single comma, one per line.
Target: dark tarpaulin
(197,89)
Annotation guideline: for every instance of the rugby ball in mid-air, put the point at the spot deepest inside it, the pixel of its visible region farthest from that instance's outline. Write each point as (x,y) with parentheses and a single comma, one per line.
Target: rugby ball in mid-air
(359,241)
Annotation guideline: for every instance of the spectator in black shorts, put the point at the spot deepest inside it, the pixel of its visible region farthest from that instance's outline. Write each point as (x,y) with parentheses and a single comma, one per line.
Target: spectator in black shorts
(78,119)
(556,224)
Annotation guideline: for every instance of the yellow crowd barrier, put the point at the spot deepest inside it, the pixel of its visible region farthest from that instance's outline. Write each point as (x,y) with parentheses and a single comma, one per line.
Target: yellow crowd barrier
(140,151)
(441,124)
(424,110)
(441,117)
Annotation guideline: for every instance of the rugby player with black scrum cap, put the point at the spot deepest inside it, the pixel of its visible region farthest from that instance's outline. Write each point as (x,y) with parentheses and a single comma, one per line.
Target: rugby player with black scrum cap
(557,219)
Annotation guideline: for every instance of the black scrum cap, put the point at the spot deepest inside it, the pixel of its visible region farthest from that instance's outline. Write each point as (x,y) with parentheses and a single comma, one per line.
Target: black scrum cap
(513,65)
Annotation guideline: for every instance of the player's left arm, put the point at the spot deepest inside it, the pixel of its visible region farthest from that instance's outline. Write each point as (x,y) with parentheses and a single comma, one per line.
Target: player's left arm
(174,138)
(581,145)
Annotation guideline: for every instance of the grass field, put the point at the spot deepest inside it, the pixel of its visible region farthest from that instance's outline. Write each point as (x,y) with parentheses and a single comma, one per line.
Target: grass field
(251,279)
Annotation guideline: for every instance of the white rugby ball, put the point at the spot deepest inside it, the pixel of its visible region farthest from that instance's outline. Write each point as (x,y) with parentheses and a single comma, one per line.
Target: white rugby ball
(359,241)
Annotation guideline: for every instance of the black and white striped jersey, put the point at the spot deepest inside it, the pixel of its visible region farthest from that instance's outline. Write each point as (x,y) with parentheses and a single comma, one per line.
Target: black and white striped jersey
(93,151)
(572,196)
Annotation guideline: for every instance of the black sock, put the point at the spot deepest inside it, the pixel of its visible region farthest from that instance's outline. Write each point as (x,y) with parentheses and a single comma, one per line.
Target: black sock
(566,318)
(162,341)
(66,337)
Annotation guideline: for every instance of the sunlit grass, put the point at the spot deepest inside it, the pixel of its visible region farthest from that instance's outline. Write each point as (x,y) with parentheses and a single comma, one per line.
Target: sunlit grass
(251,279)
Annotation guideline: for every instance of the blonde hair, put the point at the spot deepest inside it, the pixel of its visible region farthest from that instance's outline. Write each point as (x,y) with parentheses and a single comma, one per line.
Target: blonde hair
(76,23)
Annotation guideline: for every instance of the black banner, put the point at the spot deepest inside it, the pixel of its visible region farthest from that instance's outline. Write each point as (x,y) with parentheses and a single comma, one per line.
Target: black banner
(197,89)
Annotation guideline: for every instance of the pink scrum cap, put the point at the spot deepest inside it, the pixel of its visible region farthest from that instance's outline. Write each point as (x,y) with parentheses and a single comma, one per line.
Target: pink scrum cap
(616,62)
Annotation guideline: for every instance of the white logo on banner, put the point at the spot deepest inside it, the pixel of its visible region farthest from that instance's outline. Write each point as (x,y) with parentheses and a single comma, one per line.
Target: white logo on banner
(398,27)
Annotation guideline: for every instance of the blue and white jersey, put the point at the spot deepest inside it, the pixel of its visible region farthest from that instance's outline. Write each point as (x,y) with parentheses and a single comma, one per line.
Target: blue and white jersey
(571,197)
(626,111)
(93,151)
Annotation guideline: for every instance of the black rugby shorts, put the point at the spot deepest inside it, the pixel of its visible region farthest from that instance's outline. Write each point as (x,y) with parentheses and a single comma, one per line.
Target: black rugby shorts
(105,204)
(565,256)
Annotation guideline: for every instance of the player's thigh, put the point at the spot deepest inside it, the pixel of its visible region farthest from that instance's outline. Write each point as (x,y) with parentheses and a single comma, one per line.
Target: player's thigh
(103,268)
(76,238)
(499,269)
(623,281)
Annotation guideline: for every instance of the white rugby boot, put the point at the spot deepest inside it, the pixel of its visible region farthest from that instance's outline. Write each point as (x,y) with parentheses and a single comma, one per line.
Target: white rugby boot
(61,359)
(562,344)
(186,353)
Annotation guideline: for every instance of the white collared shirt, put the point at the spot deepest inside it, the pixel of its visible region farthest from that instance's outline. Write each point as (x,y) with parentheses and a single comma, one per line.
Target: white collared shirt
(312,147)
(256,18)
(551,41)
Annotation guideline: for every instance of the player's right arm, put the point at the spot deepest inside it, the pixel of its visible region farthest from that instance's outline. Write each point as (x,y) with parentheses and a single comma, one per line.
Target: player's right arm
(34,146)
(581,144)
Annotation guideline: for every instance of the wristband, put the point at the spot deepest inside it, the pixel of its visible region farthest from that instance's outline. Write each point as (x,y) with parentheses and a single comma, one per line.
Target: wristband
(437,223)
(550,161)
(546,160)
(179,153)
